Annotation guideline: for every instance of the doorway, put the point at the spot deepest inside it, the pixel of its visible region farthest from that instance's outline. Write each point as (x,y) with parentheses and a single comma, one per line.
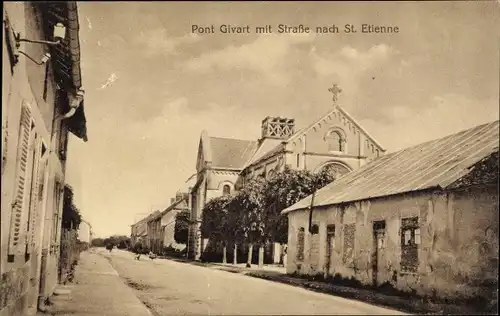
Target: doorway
(379,232)
(330,246)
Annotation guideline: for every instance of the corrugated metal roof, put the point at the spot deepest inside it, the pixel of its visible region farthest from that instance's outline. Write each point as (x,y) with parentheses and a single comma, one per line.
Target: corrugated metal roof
(436,163)
(231,153)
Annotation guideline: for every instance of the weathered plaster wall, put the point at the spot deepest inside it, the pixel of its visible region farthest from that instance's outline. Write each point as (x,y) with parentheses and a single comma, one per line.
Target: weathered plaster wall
(457,255)
(26,84)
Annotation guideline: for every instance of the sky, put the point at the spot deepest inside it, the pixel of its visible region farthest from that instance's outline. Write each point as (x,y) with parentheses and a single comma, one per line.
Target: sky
(152,85)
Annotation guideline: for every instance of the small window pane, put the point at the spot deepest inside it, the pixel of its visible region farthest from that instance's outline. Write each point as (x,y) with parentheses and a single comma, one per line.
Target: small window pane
(417,236)
(407,237)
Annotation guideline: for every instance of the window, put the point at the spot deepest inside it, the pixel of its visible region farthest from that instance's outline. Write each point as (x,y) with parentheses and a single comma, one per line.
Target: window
(226,190)
(379,234)
(55,218)
(330,232)
(298,160)
(335,169)
(300,244)
(24,170)
(410,239)
(335,142)
(34,191)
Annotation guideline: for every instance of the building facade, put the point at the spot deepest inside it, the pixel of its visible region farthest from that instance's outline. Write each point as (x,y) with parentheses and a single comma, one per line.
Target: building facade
(139,231)
(161,226)
(424,219)
(335,141)
(42,102)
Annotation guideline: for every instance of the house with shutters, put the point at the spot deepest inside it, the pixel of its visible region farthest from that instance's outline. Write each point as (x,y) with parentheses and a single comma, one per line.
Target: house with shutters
(42,105)
(421,219)
(335,141)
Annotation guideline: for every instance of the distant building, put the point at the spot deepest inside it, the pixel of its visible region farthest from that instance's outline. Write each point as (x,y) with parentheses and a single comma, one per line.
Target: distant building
(335,142)
(161,226)
(139,231)
(42,102)
(424,218)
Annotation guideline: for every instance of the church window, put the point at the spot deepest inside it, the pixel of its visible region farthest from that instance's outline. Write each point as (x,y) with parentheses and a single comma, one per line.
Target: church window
(377,152)
(300,244)
(335,140)
(410,239)
(298,160)
(335,169)
(226,190)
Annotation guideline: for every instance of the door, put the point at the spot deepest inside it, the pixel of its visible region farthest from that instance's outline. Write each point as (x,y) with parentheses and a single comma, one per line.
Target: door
(378,251)
(330,245)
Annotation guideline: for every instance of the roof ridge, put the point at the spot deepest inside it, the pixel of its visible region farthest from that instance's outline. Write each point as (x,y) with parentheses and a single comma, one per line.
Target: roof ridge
(228,138)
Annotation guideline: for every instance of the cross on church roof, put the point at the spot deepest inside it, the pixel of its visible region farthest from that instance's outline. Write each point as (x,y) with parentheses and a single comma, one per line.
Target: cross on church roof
(335,90)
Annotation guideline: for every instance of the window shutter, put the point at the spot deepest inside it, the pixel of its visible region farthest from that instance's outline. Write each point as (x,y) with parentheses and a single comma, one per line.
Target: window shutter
(33,206)
(22,182)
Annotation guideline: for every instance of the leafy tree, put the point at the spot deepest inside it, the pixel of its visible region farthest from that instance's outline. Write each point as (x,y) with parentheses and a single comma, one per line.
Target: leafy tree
(285,189)
(214,219)
(181,227)
(247,214)
(97,242)
(71,217)
(215,222)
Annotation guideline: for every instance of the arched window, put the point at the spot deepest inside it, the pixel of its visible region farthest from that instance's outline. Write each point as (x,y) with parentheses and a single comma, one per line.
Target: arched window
(336,169)
(336,140)
(226,190)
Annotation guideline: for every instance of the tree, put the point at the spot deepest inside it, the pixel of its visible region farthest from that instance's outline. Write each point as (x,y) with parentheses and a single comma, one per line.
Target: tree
(285,189)
(247,211)
(181,228)
(97,242)
(215,222)
(71,217)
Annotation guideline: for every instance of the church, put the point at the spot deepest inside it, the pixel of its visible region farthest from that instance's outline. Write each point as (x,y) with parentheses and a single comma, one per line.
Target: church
(335,141)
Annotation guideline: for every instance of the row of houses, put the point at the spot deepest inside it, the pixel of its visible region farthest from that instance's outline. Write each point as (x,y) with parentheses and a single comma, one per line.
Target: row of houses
(156,231)
(42,104)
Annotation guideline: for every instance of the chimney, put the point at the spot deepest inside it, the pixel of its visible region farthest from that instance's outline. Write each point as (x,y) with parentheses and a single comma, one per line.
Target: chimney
(277,127)
(172,201)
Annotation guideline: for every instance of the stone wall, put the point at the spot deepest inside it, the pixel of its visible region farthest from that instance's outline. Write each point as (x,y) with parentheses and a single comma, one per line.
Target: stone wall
(453,247)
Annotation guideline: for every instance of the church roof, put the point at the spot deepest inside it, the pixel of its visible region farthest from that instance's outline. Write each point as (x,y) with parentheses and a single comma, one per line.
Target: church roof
(434,164)
(230,153)
(268,147)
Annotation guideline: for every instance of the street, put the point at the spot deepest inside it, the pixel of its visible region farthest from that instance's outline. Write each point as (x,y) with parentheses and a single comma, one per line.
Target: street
(174,288)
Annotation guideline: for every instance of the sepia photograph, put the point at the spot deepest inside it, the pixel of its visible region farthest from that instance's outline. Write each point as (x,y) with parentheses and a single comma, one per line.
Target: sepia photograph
(250,158)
